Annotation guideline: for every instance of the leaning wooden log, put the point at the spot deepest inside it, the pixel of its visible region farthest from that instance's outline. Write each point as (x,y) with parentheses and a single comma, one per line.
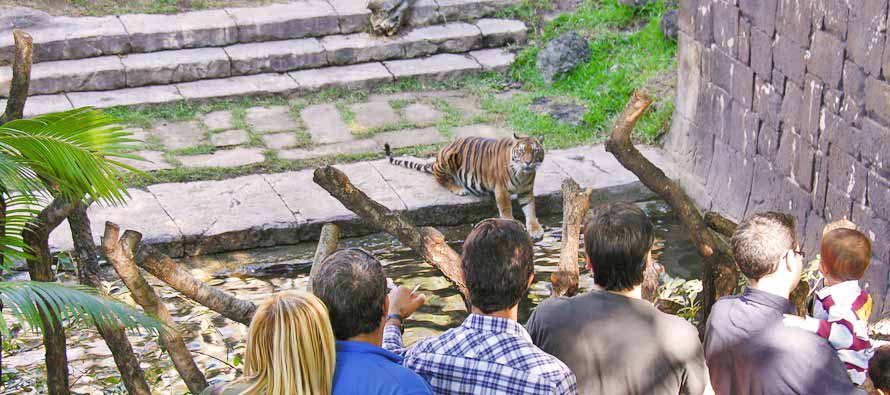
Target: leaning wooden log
(168,271)
(120,253)
(720,224)
(428,242)
(36,236)
(574,207)
(87,258)
(327,244)
(719,274)
(21,76)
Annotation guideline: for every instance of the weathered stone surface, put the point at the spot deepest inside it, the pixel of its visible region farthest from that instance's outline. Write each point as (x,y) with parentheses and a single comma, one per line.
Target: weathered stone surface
(467,106)
(500,32)
(323,122)
(420,114)
(277,56)
(179,135)
(826,58)
(126,97)
(854,92)
(360,48)
(360,76)
(812,102)
(229,138)
(196,29)
(410,137)
(136,133)
(744,37)
(794,20)
(424,12)
(726,27)
(38,105)
(285,21)
(495,59)
(789,58)
(417,192)
(834,16)
(452,37)
(349,147)
(279,140)
(237,87)
(434,68)
(270,119)
(223,158)
(76,38)
(669,25)
(154,160)
(218,207)
(472,9)
(182,65)
(373,115)
(877,99)
(742,84)
(354,14)
(563,54)
(142,213)
(482,130)
(218,120)
(761,53)
(100,73)
(866,34)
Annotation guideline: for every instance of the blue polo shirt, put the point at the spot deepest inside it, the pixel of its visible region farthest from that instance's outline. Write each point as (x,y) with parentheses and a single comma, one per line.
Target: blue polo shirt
(365,369)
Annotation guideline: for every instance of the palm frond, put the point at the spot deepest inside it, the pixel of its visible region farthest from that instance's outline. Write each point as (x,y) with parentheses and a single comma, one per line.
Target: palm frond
(74,150)
(70,303)
(20,209)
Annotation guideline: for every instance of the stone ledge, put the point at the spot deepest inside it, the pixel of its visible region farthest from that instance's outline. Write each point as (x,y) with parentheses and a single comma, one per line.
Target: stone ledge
(263,210)
(64,38)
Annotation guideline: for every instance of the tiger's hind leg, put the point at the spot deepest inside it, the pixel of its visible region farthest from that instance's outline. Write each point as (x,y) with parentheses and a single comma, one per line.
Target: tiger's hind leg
(447,180)
(527,201)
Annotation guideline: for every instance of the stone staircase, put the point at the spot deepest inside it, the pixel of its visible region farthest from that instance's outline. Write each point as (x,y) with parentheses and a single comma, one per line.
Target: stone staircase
(288,48)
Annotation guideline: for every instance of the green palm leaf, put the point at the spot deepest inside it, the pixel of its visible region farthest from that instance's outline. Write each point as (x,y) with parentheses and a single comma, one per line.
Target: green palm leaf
(70,303)
(20,209)
(73,150)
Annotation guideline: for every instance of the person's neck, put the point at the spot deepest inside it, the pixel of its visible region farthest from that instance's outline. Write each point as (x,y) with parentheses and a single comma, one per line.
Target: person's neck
(373,338)
(511,313)
(770,285)
(829,281)
(633,293)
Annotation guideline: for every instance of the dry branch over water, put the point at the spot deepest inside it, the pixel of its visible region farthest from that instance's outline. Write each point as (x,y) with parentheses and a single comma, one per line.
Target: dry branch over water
(574,207)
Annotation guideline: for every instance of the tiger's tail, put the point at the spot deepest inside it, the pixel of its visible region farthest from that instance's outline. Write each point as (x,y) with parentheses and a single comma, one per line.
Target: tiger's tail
(412,164)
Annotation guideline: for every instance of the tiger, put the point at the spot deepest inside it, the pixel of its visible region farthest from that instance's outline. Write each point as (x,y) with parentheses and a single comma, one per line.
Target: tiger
(481,166)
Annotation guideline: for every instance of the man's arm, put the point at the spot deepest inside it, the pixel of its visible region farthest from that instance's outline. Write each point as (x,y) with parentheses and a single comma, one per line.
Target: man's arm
(401,304)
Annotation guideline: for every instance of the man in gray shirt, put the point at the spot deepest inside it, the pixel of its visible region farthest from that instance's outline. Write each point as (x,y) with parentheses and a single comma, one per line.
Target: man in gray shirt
(615,342)
(747,348)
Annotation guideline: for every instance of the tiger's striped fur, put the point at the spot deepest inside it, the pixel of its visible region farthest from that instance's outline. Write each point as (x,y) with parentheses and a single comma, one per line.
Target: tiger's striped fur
(481,166)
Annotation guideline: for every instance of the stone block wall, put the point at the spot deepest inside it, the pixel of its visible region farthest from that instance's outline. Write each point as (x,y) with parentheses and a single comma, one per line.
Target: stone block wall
(785,105)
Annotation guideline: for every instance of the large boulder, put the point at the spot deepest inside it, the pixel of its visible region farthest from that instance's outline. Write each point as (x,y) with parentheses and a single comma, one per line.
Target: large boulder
(388,16)
(562,55)
(562,110)
(22,18)
(669,26)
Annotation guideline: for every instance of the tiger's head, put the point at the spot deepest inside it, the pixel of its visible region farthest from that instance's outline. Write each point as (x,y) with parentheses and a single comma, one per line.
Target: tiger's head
(527,153)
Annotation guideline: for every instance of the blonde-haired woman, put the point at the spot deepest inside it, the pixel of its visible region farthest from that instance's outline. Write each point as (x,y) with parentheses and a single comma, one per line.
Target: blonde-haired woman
(290,349)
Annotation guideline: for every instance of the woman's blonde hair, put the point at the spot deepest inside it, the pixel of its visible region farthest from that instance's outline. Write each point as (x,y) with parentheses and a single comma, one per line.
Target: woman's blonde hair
(290,347)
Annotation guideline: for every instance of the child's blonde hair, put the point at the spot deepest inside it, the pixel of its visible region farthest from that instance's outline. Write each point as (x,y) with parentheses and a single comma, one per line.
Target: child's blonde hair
(846,254)
(290,347)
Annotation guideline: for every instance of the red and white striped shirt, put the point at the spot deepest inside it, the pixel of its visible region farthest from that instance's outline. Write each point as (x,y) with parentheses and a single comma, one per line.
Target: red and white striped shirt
(840,315)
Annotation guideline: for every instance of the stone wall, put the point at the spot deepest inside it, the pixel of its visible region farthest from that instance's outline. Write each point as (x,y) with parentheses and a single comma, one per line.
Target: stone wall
(785,105)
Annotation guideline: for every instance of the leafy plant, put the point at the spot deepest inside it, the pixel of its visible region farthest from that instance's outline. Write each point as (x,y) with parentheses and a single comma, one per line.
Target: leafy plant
(681,292)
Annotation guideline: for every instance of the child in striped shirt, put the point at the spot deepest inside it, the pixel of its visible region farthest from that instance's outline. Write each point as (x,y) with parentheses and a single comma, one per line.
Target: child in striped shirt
(841,308)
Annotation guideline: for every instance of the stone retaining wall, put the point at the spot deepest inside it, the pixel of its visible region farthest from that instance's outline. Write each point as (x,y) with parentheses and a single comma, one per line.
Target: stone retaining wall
(785,105)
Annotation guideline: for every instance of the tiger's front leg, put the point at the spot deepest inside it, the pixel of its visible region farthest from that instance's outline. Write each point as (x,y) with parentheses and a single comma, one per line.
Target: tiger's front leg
(502,198)
(527,201)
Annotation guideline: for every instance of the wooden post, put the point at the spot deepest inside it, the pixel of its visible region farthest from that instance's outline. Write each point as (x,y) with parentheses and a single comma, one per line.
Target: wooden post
(21,76)
(86,256)
(327,244)
(428,242)
(120,254)
(574,207)
(719,274)
(36,236)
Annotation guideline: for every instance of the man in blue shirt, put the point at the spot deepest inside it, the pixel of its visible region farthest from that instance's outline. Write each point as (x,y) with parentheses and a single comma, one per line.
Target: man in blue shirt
(352,286)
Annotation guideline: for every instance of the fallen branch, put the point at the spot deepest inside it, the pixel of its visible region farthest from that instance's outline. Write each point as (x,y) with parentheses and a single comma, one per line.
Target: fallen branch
(86,257)
(428,242)
(168,271)
(720,224)
(574,207)
(327,244)
(21,76)
(120,254)
(719,275)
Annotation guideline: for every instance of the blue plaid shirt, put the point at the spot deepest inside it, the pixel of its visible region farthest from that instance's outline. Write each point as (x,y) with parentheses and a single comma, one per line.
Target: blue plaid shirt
(484,355)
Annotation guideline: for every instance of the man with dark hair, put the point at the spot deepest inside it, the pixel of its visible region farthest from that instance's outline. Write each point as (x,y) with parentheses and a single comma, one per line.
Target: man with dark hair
(748,349)
(615,342)
(490,353)
(352,286)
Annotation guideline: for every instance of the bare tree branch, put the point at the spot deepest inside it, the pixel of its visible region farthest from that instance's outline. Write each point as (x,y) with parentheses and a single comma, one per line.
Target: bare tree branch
(574,207)
(21,76)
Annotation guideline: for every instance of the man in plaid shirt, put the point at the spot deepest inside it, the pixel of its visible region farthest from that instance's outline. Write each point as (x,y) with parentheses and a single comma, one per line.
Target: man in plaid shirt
(490,353)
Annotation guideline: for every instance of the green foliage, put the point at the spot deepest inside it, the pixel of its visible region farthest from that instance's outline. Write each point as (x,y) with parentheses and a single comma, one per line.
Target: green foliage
(683,293)
(27,299)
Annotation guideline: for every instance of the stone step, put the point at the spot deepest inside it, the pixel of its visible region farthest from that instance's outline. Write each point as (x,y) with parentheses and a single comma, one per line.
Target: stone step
(184,65)
(263,210)
(357,76)
(66,38)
